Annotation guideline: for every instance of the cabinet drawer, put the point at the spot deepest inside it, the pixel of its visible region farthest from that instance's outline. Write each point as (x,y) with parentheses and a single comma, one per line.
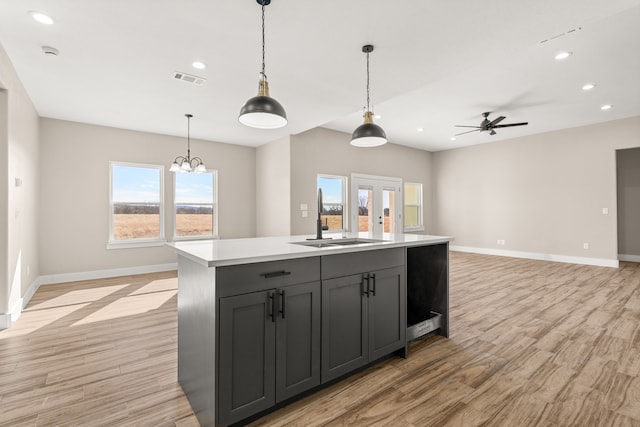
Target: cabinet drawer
(361,262)
(241,279)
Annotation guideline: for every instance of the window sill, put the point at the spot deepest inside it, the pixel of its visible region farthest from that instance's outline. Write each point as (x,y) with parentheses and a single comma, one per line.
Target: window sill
(187,238)
(413,229)
(128,244)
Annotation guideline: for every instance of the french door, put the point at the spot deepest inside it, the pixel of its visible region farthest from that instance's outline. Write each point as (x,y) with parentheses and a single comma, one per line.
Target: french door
(376,204)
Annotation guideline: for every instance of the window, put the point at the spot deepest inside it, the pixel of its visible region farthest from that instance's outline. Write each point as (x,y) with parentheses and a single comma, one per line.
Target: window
(195,205)
(413,207)
(136,205)
(333,201)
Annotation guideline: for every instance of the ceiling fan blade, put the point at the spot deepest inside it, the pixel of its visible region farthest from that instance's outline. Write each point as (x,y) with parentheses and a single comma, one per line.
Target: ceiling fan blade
(461,126)
(475,130)
(496,121)
(511,124)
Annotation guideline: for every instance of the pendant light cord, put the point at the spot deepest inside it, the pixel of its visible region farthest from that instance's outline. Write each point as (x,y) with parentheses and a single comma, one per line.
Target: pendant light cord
(188,138)
(264,76)
(368,109)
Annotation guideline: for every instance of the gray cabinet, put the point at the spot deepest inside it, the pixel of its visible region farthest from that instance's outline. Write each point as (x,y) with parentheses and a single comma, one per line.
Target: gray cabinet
(269,348)
(364,314)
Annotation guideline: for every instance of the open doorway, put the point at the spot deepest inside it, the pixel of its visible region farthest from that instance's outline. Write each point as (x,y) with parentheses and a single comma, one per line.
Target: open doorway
(628,191)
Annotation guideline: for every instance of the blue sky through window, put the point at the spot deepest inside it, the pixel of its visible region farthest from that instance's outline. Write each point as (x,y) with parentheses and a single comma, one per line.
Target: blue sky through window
(133,184)
(194,188)
(331,189)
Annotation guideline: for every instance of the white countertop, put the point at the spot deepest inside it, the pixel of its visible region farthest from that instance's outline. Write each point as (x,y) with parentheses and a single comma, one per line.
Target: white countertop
(215,253)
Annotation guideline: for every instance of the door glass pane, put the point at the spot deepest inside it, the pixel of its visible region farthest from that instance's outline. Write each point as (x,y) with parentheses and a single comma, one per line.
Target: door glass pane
(365,210)
(388,199)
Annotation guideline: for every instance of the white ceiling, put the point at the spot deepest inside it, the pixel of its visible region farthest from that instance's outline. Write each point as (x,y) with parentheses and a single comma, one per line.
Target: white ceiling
(436,64)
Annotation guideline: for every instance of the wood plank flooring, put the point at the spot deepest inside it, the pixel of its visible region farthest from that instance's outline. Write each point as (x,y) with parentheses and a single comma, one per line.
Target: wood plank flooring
(532,343)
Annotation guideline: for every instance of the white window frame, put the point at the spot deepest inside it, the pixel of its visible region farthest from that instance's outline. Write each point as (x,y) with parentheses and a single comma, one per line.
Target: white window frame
(420,226)
(345,207)
(215,234)
(136,242)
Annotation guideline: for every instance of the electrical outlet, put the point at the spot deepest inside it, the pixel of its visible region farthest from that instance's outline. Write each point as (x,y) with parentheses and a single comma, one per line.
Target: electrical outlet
(585,246)
(305,214)
(605,211)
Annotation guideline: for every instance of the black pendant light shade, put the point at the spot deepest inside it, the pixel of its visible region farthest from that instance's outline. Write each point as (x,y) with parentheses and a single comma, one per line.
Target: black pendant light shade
(368,134)
(262,111)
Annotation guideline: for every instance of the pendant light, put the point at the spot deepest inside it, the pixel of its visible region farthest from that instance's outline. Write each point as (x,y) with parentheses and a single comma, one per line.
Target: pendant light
(186,164)
(262,111)
(368,134)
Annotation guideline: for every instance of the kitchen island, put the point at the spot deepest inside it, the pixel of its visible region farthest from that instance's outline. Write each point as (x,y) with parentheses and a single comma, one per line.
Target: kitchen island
(264,321)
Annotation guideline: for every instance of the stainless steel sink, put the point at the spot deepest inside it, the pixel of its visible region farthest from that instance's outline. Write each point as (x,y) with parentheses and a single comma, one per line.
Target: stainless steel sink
(336,242)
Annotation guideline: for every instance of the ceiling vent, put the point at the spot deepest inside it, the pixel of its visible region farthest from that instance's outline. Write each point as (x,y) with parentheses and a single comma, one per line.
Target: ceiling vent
(560,35)
(189,78)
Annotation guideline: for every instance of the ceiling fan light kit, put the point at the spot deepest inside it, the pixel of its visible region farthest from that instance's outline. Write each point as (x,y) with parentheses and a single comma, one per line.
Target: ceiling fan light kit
(262,111)
(368,134)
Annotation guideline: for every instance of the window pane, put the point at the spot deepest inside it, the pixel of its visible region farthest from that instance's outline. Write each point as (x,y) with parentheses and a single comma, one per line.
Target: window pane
(194,204)
(413,205)
(411,216)
(136,198)
(411,196)
(332,201)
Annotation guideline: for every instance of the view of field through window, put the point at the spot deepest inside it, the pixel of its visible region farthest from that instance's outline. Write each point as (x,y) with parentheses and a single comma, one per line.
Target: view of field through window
(194,204)
(135,199)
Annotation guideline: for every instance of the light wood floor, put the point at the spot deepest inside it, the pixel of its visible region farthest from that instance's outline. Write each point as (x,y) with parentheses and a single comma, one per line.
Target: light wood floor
(532,343)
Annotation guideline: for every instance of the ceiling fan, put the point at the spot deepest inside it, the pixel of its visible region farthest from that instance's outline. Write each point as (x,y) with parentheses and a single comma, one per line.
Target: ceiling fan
(487,125)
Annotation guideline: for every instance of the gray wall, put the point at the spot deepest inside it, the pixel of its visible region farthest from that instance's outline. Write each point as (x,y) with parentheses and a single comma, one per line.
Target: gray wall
(629,202)
(19,163)
(542,194)
(329,152)
(74,176)
(273,188)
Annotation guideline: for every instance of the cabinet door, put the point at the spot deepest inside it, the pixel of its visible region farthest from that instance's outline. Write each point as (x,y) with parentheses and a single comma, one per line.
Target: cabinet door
(297,339)
(387,318)
(247,355)
(344,326)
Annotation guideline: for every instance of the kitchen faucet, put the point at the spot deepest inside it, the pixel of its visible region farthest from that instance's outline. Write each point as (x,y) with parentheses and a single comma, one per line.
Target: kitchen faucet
(319,226)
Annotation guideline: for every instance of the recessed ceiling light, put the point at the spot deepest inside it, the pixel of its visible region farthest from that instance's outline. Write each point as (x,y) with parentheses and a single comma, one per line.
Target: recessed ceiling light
(606,107)
(588,86)
(199,65)
(453,138)
(377,116)
(420,129)
(42,18)
(563,55)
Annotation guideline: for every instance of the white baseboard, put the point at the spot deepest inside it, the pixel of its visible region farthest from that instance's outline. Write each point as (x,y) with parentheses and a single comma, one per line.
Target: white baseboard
(600,262)
(50,279)
(629,258)
(7,319)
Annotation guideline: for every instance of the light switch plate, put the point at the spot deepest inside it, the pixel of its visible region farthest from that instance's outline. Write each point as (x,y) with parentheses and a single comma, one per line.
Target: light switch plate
(305,214)
(304,207)
(605,211)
